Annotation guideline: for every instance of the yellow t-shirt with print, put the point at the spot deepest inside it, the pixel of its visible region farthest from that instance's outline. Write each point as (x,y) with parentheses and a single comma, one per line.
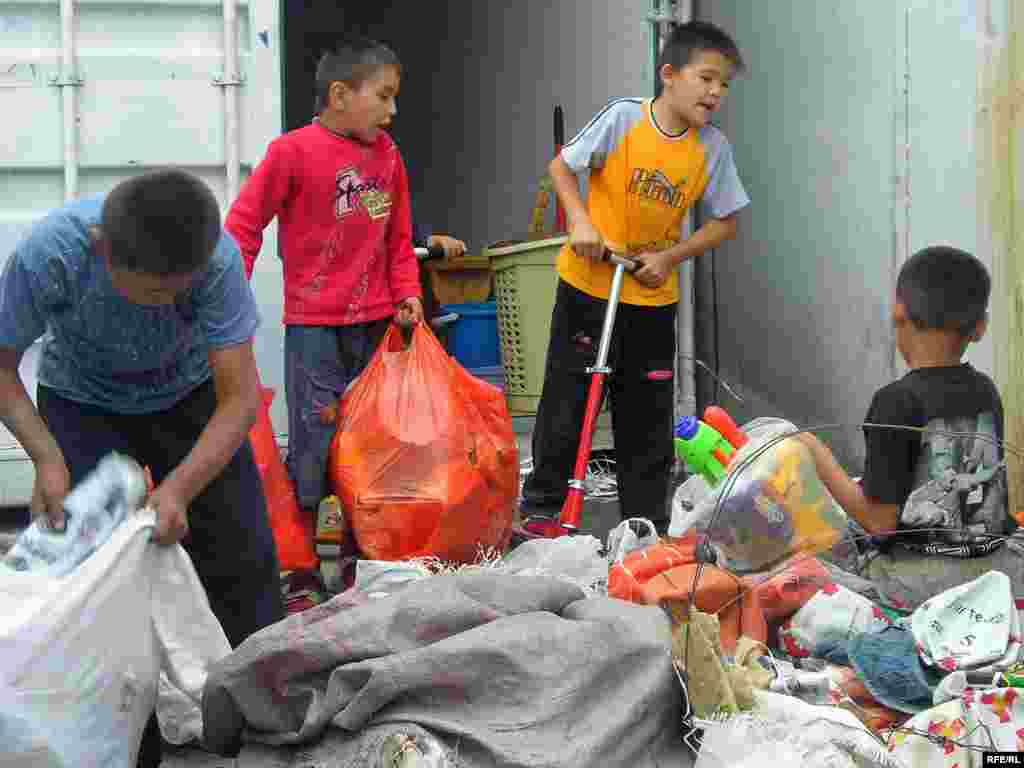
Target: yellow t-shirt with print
(643,180)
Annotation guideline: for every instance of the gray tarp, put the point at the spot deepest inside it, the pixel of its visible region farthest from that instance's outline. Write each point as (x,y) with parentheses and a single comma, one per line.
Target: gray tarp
(507,670)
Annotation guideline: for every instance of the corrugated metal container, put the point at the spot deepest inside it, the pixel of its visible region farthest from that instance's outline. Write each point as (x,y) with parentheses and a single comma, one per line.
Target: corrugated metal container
(92,92)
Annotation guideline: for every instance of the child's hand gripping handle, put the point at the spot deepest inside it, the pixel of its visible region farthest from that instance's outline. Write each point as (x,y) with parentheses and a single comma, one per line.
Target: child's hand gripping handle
(620,260)
(426,254)
(422,255)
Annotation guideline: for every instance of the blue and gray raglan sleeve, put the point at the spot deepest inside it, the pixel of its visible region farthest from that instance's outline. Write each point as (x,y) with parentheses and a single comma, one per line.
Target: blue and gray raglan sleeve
(589,148)
(226,306)
(724,194)
(33,280)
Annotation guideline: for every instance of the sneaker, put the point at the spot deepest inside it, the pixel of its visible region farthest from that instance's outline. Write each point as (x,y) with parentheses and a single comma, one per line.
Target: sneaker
(302,590)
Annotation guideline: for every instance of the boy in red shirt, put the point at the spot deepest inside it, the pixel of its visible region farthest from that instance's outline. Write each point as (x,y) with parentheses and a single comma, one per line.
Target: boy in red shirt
(339,189)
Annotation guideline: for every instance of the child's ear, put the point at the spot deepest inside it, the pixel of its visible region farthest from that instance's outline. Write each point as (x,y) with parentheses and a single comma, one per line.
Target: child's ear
(899,312)
(337,95)
(980,328)
(666,73)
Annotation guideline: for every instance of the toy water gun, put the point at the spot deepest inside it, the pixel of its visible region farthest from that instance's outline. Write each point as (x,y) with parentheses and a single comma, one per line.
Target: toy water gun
(703,449)
(722,422)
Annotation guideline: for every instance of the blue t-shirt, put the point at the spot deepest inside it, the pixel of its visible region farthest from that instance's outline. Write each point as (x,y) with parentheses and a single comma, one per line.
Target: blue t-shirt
(100,348)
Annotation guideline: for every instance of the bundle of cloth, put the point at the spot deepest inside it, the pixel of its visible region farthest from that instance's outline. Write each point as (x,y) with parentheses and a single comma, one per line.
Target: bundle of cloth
(499,668)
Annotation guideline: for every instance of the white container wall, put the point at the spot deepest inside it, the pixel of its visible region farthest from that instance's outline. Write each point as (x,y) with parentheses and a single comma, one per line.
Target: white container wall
(93,92)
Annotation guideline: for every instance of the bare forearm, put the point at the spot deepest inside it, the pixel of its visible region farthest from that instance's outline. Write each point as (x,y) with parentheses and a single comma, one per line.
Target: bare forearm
(567,187)
(873,517)
(846,492)
(708,237)
(20,416)
(216,446)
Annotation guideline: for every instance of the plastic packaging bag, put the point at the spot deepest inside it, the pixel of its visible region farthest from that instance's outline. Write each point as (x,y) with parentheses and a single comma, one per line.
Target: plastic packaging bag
(293,531)
(92,511)
(424,459)
(775,508)
(623,539)
(783,730)
(89,625)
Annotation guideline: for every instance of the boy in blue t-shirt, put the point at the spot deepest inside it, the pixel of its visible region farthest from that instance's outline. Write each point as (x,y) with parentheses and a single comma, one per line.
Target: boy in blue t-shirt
(148,322)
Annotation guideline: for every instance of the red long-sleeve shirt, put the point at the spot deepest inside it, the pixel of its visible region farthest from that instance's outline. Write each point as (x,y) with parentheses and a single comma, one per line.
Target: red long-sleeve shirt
(345,230)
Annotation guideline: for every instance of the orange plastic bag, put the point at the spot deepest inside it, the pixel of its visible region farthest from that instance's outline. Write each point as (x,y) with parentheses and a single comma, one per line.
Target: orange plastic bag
(424,460)
(293,532)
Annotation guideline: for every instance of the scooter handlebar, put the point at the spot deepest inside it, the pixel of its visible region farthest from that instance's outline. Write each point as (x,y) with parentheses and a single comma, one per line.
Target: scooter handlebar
(615,258)
(426,254)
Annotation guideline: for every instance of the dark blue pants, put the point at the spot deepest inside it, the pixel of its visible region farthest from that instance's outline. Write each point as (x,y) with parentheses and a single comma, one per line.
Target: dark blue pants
(321,361)
(229,541)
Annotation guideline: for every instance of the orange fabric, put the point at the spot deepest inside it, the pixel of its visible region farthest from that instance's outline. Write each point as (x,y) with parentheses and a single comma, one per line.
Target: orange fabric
(718,592)
(665,572)
(293,530)
(424,460)
(626,579)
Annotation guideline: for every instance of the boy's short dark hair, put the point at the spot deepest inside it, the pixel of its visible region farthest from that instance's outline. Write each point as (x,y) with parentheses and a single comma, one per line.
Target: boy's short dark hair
(694,37)
(164,222)
(944,288)
(353,61)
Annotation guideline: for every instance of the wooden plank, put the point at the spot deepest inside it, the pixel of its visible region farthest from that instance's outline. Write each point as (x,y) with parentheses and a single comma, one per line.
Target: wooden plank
(1000,154)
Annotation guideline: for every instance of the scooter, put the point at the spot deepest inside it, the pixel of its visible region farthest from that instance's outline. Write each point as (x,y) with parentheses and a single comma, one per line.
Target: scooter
(572,509)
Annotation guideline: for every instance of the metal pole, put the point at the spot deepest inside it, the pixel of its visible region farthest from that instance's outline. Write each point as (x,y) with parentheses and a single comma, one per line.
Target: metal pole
(67,83)
(230,82)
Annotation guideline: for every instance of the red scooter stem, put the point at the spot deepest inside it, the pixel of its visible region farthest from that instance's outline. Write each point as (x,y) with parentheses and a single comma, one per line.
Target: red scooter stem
(572,509)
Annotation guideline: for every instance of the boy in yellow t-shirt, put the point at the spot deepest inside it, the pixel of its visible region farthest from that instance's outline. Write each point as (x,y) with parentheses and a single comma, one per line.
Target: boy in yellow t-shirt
(649,162)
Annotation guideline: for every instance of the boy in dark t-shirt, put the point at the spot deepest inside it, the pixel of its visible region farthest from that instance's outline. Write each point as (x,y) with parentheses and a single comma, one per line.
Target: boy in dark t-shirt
(933,497)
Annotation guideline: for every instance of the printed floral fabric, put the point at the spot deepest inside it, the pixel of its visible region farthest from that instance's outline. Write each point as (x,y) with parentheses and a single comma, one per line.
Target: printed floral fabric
(824,626)
(954,734)
(970,625)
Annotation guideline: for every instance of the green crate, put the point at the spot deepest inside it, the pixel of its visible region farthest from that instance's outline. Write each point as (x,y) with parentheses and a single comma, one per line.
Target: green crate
(524,291)
(525,280)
